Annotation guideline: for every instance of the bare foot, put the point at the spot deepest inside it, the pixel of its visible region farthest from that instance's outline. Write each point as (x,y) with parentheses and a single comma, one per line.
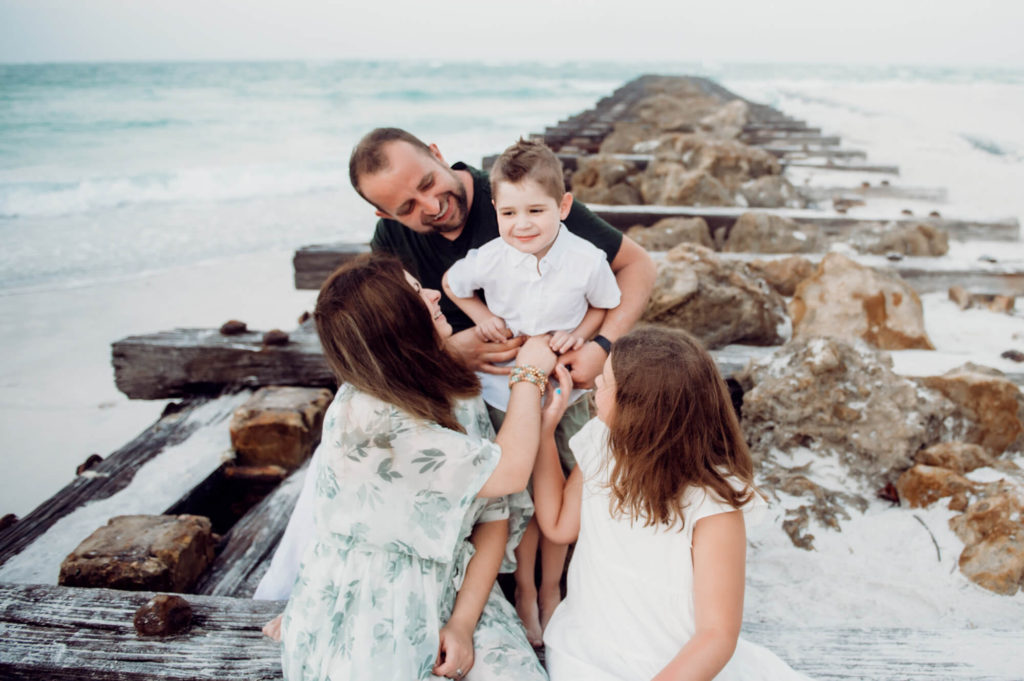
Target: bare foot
(549,600)
(526,608)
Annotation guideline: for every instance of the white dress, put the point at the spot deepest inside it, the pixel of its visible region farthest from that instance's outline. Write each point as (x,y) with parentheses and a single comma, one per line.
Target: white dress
(629,606)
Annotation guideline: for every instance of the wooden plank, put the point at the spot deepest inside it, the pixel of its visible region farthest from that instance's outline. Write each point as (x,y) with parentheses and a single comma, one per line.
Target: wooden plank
(757,139)
(63,633)
(187,361)
(782,126)
(107,478)
(313,258)
(796,152)
(850,167)
(250,544)
(874,191)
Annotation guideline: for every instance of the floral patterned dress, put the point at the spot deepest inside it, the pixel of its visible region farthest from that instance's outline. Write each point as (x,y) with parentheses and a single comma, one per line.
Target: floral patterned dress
(395,504)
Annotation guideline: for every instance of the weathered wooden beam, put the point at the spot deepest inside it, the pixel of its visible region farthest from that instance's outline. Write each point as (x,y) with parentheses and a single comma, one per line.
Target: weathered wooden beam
(850,167)
(874,191)
(795,152)
(782,126)
(105,479)
(64,633)
(250,544)
(758,139)
(186,361)
(312,258)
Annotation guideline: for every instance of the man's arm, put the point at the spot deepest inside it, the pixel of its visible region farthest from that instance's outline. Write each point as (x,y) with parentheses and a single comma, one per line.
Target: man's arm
(634,273)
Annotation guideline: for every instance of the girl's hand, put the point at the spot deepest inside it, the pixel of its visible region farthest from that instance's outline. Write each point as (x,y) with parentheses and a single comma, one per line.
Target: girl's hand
(492,329)
(455,652)
(558,400)
(563,341)
(536,352)
(272,629)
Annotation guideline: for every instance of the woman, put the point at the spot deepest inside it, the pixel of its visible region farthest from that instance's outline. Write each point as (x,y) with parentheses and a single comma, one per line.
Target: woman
(392,587)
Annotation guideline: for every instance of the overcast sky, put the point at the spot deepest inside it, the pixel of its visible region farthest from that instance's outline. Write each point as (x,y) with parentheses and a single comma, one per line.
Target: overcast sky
(940,32)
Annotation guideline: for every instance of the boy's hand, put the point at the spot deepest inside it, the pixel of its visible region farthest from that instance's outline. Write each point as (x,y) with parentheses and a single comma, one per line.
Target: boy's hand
(558,400)
(563,341)
(493,330)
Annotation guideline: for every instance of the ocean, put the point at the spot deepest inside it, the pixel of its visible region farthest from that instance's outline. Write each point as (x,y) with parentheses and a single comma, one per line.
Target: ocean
(136,197)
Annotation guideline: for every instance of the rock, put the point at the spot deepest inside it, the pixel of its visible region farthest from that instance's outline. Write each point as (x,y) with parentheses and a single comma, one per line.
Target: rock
(728,121)
(275,337)
(831,395)
(304,317)
(920,239)
(989,401)
(142,553)
(960,457)
(730,162)
(771,191)
(91,461)
(8,521)
(630,137)
(668,233)
(784,274)
(1000,303)
(1013,355)
(843,299)
(718,301)
(669,183)
(602,179)
(845,203)
(922,485)
(990,301)
(279,426)
(674,109)
(959,296)
(163,615)
(233,327)
(765,233)
(993,535)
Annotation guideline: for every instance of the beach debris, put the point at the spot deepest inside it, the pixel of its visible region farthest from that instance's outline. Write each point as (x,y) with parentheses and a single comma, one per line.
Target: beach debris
(921,485)
(894,256)
(987,258)
(279,426)
(796,525)
(233,327)
(889,493)
(844,203)
(844,299)
(91,461)
(885,183)
(142,553)
(667,233)
(7,521)
(906,211)
(275,337)
(919,239)
(865,184)
(834,397)
(719,301)
(767,233)
(784,274)
(1013,355)
(163,615)
(771,191)
(826,507)
(990,403)
(993,535)
(935,214)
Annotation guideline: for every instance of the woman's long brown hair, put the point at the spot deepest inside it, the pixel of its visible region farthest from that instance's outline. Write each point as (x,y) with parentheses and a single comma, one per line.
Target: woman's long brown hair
(377,334)
(673,426)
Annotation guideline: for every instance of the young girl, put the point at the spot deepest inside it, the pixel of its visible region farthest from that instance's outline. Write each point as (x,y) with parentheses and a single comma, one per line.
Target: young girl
(657,502)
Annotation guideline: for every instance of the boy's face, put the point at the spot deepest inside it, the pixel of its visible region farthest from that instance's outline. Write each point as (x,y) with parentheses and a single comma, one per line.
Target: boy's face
(528,216)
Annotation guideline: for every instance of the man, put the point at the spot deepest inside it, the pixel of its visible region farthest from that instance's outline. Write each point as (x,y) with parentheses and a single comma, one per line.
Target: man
(432,214)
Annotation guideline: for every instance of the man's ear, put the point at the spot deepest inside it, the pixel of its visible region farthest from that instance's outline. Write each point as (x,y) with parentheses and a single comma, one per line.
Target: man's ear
(565,205)
(436,153)
(381,214)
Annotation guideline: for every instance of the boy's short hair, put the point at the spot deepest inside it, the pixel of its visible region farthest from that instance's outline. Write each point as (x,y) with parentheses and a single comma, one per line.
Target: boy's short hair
(368,155)
(529,159)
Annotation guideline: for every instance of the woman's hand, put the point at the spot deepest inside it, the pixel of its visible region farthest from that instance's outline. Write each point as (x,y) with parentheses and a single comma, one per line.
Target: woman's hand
(455,652)
(272,629)
(558,400)
(536,352)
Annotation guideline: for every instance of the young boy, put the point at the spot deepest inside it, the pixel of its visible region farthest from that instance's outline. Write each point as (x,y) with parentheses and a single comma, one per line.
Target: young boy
(537,278)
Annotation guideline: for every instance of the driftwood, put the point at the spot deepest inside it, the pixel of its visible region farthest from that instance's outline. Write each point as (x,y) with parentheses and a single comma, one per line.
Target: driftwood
(87,634)
(250,544)
(108,477)
(189,361)
(315,258)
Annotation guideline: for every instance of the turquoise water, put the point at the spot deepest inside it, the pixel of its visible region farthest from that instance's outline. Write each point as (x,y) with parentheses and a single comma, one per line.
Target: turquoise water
(114,169)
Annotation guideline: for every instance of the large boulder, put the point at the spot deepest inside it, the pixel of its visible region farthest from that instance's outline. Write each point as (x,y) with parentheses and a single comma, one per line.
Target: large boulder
(730,162)
(718,301)
(907,239)
(766,233)
(604,179)
(989,401)
(960,457)
(728,121)
(771,191)
(279,425)
(631,137)
(142,553)
(670,183)
(843,299)
(993,535)
(681,109)
(667,233)
(784,274)
(831,395)
(922,485)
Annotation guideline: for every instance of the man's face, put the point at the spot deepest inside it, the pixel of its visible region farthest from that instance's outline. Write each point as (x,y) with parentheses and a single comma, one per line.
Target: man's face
(417,189)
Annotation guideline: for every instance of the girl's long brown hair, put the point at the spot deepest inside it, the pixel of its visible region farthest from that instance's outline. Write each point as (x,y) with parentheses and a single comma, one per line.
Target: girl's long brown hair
(673,426)
(377,335)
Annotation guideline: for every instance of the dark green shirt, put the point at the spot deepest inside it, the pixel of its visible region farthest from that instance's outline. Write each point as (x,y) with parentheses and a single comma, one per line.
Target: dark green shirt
(428,256)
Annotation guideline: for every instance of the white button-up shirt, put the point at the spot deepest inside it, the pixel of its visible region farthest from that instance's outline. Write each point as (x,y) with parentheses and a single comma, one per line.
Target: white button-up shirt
(535,297)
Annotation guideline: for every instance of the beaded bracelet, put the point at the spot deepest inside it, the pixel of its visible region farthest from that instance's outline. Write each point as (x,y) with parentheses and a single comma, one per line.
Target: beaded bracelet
(530,374)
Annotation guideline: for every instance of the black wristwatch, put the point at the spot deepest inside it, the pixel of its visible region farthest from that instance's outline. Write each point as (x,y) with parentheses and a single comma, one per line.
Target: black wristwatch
(605,344)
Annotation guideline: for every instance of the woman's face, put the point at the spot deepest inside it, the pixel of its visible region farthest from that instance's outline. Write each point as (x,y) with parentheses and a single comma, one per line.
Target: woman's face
(432,299)
(604,393)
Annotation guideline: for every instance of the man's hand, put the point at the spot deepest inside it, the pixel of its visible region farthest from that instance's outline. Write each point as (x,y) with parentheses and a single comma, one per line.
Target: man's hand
(482,356)
(585,364)
(563,341)
(492,329)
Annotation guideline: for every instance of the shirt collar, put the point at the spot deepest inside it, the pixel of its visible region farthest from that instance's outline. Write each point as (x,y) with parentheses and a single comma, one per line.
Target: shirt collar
(519,259)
